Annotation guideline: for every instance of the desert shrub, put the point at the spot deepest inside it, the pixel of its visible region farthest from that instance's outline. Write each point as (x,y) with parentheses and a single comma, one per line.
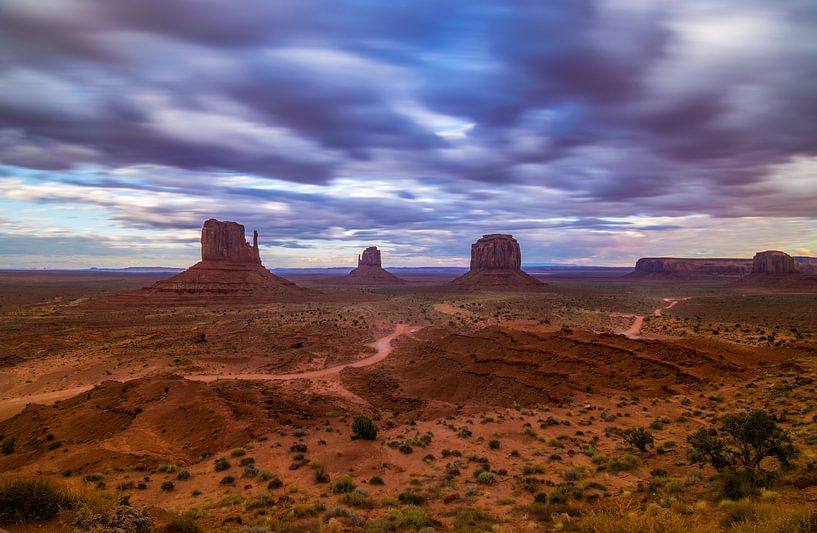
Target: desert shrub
(343,484)
(183,475)
(638,438)
(222,464)
(411,498)
(486,478)
(735,485)
(7,445)
(121,518)
(298,447)
(167,486)
(275,483)
(472,521)
(227,480)
(32,499)
(237,452)
(744,441)
(376,480)
(493,444)
(363,428)
(247,461)
(405,449)
(754,517)
(652,519)
(260,502)
(409,518)
(341,512)
(183,523)
(321,476)
(356,498)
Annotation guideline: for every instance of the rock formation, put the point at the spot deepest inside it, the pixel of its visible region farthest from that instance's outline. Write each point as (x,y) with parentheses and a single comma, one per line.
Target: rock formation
(224,241)
(682,268)
(229,266)
(496,261)
(369,271)
(775,270)
(773,262)
(806,265)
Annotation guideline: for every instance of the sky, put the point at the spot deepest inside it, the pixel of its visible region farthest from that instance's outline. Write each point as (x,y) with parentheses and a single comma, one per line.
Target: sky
(595,131)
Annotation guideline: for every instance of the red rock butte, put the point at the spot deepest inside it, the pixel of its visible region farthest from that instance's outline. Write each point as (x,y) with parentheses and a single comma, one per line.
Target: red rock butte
(496,261)
(370,271)
(229,266)
(775,270)
(682,268)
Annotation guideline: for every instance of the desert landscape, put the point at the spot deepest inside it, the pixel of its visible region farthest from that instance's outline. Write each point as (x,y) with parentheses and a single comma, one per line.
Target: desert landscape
(354,266)
(226,398)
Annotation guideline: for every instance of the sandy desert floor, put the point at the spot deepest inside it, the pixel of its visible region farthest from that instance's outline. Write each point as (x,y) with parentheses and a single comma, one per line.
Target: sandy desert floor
(495,410)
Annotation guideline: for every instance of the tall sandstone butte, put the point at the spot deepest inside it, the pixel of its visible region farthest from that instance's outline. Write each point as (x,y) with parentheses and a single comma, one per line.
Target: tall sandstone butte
(229,266)
(496,261)
(224,241)
(370,271)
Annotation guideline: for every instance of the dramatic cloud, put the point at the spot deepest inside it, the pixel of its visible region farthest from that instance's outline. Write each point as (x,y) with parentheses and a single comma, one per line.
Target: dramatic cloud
(596,130)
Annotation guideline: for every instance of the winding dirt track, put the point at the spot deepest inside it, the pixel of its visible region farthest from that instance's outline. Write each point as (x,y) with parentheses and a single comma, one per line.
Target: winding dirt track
(382,346)
(11,406)
(634,332)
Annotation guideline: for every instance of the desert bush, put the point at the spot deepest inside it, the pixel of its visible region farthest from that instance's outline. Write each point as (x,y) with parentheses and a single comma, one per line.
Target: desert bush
(409,518)
(376,480)
(486,478)
(32,499)
(744,441)
(183,523)
(411,498)
(651,519)
(472,521)
(363,428)
(638,438)
(356,498)
(7,445)
(222,464)
(121,518)
(343,484)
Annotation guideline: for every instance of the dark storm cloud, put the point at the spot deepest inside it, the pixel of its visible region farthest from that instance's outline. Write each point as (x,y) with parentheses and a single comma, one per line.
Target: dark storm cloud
(620,108)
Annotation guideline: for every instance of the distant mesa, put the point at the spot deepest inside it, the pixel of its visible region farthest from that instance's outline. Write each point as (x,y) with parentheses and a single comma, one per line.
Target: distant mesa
(370,271)
(229,265)
(684,268)
(496,261)
(775,270)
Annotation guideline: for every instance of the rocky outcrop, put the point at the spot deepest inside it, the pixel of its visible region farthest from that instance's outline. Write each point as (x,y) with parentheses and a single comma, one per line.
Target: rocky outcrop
(369,257)
(773,262)
(369,271)
(777,271)
(496,251)
(496,261)
(680,268)
(224,241)
(229,266)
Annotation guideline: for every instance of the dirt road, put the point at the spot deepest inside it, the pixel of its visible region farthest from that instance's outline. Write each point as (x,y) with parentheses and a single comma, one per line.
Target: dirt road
(327,378)
(634,332)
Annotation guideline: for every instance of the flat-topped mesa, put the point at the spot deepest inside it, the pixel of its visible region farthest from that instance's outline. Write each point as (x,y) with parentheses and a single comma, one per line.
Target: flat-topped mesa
(773,262)
(369,271)
(370,257)
(496,261)
(678,267)
(496,250)
(229,266)
(225,241)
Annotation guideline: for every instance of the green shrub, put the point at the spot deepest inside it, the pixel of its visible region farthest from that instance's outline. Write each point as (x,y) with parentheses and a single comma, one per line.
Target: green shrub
(638,438)
(222,464)
(7,445)
(363,428)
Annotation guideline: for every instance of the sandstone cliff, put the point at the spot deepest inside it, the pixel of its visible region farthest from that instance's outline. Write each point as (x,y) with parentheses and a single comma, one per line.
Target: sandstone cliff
(777,271)
(680,268)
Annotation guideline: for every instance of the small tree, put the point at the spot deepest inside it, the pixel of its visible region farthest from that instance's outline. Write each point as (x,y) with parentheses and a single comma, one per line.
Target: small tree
(363,428)
(638,438)
(743,442)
